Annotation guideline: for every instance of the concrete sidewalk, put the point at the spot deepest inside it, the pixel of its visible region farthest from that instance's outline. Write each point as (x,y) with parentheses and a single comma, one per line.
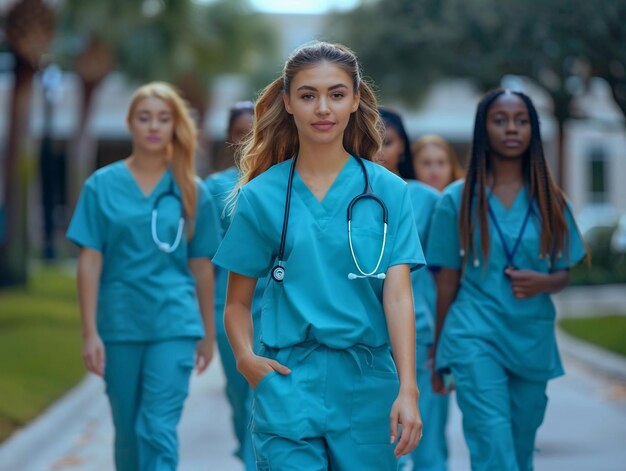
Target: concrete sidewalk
(584,429)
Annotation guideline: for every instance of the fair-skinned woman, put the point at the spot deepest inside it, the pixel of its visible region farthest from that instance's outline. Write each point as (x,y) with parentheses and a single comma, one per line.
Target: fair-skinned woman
(328,394)
(434,162)
(147,230)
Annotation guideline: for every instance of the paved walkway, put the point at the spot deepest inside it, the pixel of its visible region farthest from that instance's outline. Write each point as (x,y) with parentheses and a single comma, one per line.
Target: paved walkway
(584,430)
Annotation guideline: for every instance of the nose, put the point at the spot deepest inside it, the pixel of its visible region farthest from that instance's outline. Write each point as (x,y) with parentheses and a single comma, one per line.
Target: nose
(154,124)
(511,126)
(322,106)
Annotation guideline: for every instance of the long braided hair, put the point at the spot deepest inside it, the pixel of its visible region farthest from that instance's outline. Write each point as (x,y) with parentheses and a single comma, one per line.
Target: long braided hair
(542,189)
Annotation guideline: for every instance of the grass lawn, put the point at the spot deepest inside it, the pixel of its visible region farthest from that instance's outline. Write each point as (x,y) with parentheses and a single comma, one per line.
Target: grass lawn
(39,346)
(606,331)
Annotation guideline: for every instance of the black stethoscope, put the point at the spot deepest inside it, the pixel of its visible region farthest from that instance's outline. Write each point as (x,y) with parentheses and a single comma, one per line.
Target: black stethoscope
(164,246)
(278,272)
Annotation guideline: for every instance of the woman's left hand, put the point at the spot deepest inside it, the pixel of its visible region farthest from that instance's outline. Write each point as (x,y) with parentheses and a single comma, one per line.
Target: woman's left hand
(527,283)
(405,412)
(204,354)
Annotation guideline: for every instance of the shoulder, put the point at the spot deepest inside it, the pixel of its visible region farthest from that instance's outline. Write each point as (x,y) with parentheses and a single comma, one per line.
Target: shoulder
(224,181)
(105,175)
(422,190)
(381,177)
(269,181)
(454,190)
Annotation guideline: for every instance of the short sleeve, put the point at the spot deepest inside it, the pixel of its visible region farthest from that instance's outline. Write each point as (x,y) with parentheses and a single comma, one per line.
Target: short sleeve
(245,249)
(87,226)
(443,236)
(206,231)
(407,248)
(573,248)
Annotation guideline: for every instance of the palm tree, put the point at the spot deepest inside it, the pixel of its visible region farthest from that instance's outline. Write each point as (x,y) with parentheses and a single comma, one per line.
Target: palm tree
(29,28)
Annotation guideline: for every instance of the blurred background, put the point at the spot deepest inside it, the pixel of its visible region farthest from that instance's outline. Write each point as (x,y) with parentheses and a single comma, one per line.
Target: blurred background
(68,68)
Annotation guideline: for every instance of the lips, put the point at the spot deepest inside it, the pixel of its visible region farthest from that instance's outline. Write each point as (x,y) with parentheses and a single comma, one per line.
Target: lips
(512,143)
(323,125)
(153,139)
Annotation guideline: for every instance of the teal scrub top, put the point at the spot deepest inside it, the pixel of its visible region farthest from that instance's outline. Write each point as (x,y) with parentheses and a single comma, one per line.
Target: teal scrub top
(220,185)
(423,198)
(316,300)
(485,314)
(145,294)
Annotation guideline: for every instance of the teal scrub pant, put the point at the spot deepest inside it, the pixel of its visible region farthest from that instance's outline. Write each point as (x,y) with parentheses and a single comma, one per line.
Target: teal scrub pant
(240,398)
(330,413)
(432,452)
(147,383)
(501,413)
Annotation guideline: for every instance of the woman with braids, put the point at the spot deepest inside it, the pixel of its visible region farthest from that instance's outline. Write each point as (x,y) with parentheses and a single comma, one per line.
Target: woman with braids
(505,240)
(328,393)
(395,156)
(147,229)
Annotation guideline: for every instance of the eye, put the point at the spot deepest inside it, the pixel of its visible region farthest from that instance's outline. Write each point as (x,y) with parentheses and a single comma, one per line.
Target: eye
(522,121)
(338,95)
(499,121)
(307,96)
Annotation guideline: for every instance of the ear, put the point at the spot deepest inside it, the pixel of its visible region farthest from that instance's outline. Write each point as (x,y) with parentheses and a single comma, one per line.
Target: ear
(357,101)
(287,102)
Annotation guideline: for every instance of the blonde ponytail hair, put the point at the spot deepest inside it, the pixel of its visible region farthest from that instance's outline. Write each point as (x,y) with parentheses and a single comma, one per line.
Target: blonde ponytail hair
(274,136)
(182,152)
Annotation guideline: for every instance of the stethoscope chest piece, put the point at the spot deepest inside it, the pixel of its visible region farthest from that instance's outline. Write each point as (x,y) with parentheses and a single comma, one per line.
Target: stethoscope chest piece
(278,273)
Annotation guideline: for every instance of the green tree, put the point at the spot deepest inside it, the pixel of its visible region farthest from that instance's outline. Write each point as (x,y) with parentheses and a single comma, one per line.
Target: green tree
(408,44)
(184,42)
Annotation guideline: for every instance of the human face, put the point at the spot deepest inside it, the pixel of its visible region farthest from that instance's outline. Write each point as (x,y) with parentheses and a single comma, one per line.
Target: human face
(242,125)
(432,166)
(321,99)
(151,125)
(508,127)
(392,150)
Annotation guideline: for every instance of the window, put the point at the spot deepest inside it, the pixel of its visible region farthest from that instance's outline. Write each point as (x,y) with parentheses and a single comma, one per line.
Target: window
(598,175)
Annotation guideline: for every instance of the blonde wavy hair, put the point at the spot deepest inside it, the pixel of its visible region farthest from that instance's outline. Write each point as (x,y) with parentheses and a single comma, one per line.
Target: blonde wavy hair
(274,137)
(182,150)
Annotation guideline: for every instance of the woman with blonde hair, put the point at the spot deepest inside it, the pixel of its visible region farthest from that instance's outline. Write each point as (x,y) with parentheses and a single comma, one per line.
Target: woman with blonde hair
(146,229)
(328,226)
(434,162)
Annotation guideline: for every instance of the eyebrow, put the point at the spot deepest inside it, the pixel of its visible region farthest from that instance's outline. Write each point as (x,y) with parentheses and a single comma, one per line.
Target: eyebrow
(334,87)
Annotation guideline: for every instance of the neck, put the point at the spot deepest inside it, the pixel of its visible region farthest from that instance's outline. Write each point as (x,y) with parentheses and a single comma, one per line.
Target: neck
(321,160)
(505,171)
(146,162)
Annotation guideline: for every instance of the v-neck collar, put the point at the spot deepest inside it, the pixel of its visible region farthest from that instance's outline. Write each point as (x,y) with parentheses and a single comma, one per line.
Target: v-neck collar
(153,191)
(520,200)
(323,211)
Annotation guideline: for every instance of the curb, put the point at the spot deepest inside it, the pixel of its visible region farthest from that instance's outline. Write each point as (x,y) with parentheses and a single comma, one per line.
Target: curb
(39,434)
(602,361)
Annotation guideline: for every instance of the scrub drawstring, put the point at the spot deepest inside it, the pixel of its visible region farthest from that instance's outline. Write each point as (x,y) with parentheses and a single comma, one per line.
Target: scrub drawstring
(312,346)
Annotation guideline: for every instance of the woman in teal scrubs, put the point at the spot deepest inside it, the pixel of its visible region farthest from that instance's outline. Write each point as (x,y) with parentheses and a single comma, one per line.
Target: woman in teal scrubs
(505,240)
(432,454)
(147,229)
(220,185)
(328,394)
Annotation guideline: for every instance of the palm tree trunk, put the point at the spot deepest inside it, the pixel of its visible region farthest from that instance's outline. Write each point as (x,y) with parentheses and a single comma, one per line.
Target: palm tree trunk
(13,244)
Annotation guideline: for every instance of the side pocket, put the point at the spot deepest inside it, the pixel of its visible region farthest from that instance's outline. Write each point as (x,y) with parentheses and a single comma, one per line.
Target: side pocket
(372,397)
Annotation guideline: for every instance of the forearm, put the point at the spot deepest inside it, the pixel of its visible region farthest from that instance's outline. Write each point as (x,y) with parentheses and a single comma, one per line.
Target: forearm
(401,326)
(237,314)
(447,282)
(400,317)
(202,270)
(557,281)
(88,282)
